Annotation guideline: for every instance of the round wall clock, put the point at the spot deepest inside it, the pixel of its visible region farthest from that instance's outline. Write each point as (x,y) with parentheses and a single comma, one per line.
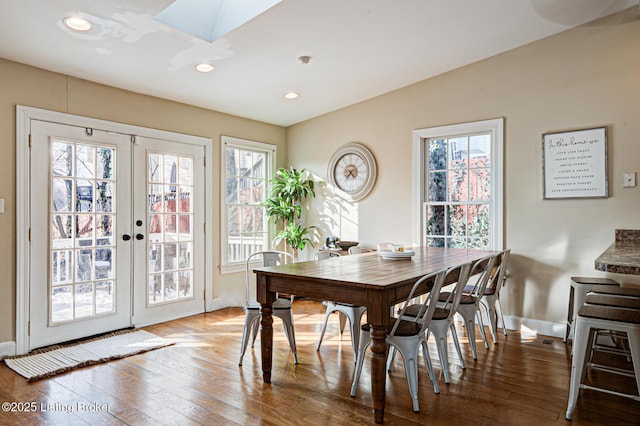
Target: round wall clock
(352,169)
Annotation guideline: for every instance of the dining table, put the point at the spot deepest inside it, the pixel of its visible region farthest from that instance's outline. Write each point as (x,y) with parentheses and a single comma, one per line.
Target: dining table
(367,279)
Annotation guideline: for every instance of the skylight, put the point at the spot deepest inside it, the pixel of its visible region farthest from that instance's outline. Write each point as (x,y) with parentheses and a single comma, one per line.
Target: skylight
(212,19)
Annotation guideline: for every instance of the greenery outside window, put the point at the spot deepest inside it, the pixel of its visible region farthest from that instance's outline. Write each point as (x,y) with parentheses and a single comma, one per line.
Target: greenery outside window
(248,167)
(460,185)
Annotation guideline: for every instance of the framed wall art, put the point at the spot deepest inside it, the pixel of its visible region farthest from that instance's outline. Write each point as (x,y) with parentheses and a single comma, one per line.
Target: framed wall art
(575,164)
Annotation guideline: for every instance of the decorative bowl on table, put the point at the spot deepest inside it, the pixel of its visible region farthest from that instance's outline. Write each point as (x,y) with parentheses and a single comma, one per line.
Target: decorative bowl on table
(344,245)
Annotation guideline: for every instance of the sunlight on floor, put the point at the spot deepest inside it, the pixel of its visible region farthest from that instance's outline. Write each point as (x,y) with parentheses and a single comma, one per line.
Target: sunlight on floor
(527,334)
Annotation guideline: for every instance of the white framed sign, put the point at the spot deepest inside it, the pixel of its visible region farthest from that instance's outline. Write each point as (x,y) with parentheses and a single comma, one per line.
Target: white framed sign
(575,164)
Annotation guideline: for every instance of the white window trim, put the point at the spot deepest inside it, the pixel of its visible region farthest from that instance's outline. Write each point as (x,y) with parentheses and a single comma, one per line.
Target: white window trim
(225,266)
(496,128)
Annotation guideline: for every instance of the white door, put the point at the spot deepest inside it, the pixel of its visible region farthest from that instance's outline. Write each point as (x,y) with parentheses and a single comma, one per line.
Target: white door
(80,207)
(169,230)
(91,259)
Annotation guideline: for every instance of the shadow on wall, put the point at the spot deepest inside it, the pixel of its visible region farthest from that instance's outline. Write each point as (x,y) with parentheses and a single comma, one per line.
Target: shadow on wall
(331,215)
(530,281)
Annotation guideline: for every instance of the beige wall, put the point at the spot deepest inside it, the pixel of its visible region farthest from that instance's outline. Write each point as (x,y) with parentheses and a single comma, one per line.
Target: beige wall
(24,85)
(582,78)
(586,77)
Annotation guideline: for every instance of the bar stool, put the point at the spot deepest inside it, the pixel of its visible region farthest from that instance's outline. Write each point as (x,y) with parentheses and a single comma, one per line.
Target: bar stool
(619,342)
(591,318)
(583,285)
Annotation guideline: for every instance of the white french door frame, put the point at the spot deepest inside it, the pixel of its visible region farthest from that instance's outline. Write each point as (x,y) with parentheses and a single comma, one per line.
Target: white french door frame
(24,116)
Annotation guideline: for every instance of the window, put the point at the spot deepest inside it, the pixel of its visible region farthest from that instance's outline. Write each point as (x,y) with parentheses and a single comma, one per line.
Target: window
(459,187)
(248,167)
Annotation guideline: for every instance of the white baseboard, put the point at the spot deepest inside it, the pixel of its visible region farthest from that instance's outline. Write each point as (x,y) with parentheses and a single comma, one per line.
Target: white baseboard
(533,326)
(7,349)
(221,303)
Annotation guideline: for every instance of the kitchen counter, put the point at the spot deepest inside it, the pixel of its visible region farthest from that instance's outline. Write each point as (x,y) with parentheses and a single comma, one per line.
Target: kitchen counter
(623,256)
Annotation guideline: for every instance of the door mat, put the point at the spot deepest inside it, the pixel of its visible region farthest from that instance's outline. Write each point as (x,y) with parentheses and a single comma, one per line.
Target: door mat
(50,361)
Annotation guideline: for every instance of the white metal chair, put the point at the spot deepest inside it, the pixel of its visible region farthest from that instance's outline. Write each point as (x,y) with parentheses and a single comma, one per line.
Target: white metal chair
(384,245)
(442,320)
(345,311)
(469,304)
(358,250)
(355,250)
(281,307)
(408,335)
(491,297)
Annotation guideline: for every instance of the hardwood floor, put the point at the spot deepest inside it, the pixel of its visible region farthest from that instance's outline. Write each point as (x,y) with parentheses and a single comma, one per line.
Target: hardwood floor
(519,381)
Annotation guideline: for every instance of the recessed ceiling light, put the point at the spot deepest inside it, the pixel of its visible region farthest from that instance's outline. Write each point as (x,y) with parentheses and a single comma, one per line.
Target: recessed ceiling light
(77,24)
(291,95)
(204,67)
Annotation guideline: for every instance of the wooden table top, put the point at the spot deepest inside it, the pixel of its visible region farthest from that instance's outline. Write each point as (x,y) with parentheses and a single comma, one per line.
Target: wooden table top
(370,270)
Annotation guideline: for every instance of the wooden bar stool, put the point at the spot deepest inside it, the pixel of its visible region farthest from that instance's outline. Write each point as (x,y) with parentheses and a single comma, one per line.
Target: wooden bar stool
(580,286)
(591,318)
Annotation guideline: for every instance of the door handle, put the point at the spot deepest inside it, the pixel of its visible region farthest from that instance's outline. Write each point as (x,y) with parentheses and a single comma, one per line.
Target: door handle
(126,237)
(139,237)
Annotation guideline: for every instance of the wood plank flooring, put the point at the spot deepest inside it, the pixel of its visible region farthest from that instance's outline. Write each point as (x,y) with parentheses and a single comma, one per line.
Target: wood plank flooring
(197,381)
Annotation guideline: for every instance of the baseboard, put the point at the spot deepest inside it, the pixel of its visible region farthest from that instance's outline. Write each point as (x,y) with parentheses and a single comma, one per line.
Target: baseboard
(221,303)
(7,349)
(533,326)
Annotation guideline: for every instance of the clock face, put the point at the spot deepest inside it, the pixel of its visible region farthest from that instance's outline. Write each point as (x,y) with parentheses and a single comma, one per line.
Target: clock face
(350,173)
(352,170)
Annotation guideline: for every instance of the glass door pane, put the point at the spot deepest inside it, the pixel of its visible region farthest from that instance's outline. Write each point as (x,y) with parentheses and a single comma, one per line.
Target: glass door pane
(82,219)
(170,218)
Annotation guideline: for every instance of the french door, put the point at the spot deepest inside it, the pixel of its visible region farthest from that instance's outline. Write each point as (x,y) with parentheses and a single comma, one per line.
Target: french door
(113,232)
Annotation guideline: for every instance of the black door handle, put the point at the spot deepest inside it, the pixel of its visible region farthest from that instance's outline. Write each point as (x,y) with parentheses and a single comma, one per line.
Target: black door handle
(126,237)
(139,237)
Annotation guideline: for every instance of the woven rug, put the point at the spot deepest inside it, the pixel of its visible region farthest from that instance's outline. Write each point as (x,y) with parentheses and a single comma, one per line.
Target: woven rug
(50,361)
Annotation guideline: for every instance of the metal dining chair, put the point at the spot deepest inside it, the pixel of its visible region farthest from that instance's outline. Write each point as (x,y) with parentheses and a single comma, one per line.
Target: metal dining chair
(442,321)
(469,305)
(345,311)
(407,334)
(281,307)
(490,299)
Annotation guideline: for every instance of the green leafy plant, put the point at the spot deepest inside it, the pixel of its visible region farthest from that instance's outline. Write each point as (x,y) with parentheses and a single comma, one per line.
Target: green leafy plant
(289,188)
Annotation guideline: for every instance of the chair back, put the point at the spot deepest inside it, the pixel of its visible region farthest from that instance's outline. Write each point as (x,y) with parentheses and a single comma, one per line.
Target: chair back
(269,258)
(433,283)
(454,296)
(355,250)
(481,271)
(384,246)
(325,254)
(499,274)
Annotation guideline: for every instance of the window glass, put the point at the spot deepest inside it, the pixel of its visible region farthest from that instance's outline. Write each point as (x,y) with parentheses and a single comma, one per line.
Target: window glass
(459,190)
(247,173)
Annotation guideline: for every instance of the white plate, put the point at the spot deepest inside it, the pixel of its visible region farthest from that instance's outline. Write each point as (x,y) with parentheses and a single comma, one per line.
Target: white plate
(407,254)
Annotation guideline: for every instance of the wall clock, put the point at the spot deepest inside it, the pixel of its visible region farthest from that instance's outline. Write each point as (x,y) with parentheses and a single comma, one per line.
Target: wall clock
(352,169)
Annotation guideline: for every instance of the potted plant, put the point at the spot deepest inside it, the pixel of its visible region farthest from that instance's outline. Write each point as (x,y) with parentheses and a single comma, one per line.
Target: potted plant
(289,188)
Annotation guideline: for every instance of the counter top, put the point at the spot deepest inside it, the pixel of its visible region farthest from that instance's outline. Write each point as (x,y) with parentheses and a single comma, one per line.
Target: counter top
(623,256)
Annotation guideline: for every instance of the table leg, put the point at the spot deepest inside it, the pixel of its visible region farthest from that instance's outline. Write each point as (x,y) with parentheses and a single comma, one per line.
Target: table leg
(378,367)
(266,340)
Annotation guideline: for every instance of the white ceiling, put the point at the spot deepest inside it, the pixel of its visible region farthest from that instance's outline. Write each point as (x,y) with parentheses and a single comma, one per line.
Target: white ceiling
(359,48)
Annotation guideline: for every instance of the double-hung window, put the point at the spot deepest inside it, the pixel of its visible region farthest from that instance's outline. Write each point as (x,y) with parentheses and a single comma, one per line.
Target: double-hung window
(247,168)
(459,185)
